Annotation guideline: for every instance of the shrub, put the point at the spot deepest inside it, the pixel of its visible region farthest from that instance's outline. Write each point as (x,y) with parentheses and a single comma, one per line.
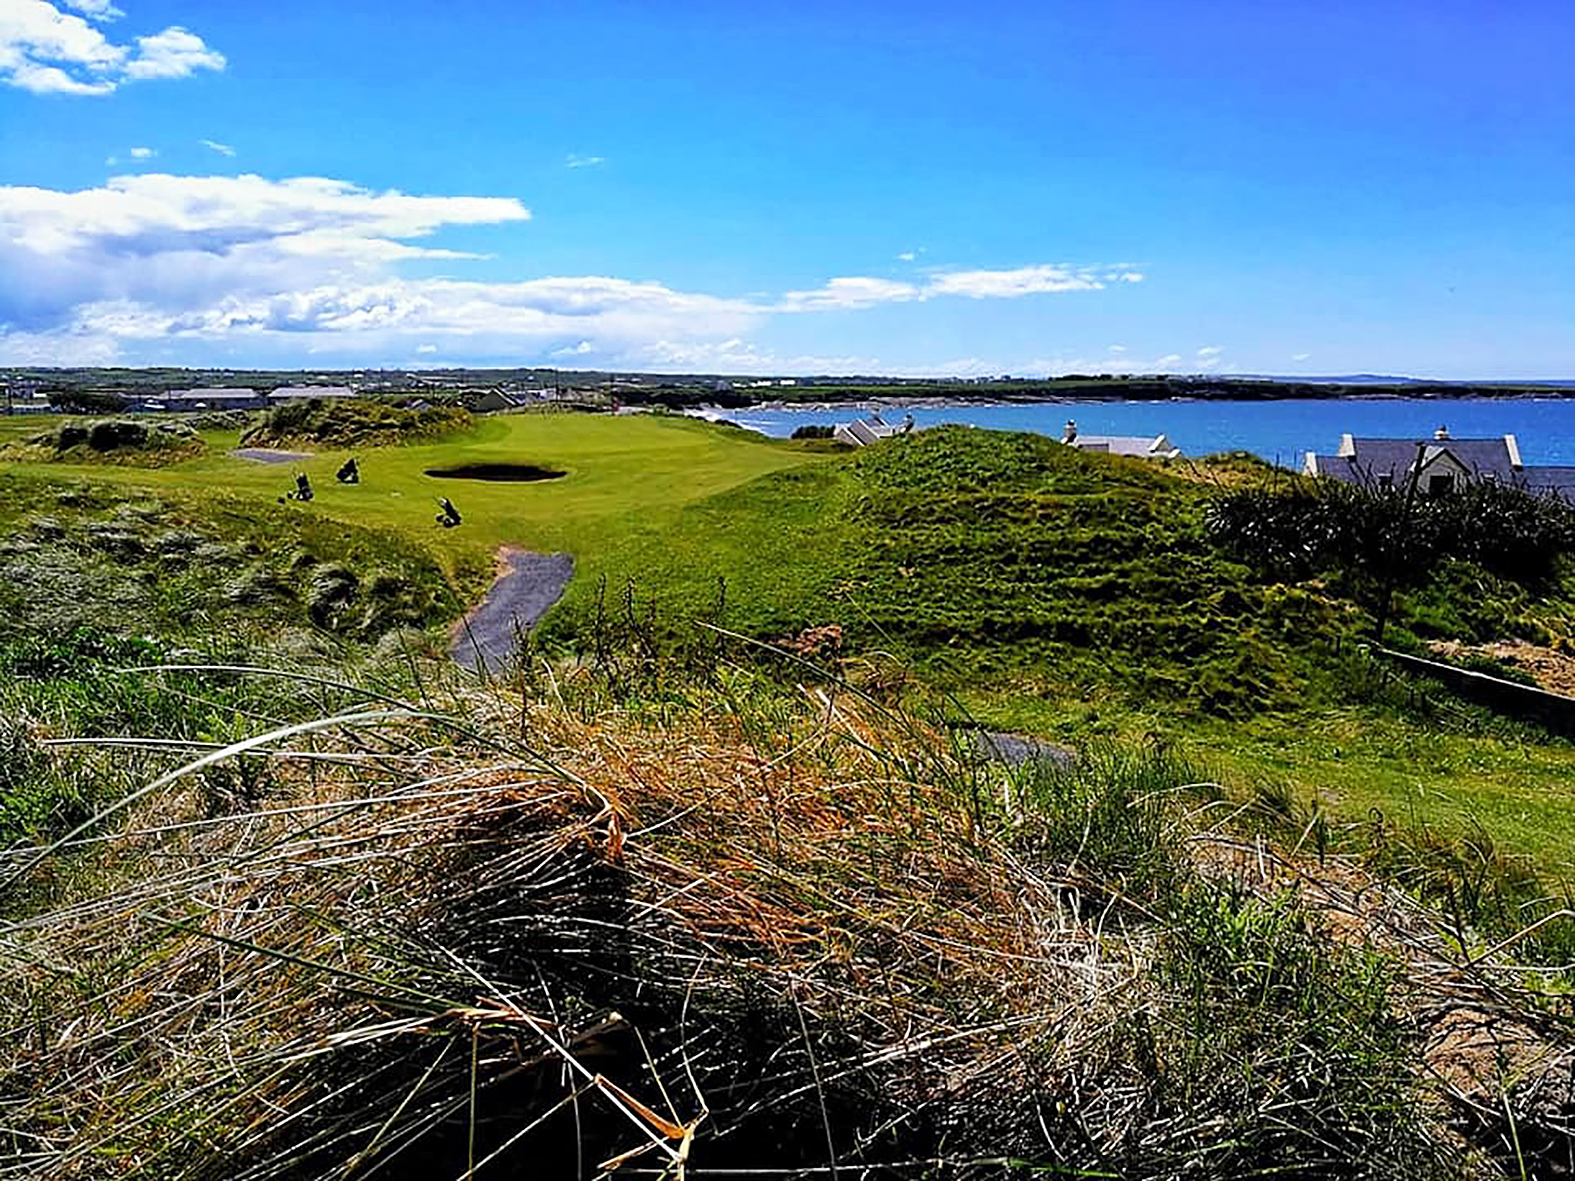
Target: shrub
(1304,528)
(353,422)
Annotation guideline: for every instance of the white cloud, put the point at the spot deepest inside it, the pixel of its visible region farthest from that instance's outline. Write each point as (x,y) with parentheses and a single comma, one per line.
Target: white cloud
(575,160)
(426,348)
(1167,361)
(97,9)
(1212,350)
(1021,281)
(47,51)
(142,153)
(1115,348)
(1300,356)
(311,264)
(174,53)
(907,256)
(863,292)
(213,145)
(849,292)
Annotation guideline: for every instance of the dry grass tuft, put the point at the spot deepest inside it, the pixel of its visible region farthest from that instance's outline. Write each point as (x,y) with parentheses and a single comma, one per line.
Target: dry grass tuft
(786,932)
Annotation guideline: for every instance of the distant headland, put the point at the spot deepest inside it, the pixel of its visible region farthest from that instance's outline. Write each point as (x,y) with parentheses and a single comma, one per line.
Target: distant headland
(117,388)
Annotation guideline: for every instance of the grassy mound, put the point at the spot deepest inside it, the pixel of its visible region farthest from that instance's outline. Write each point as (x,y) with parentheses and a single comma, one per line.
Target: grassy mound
(108,556)
(769,931)
(980,555)
(352,422)
(146,442)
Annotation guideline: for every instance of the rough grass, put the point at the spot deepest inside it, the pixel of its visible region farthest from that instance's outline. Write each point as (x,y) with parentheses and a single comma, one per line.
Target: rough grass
(975,554)
(738,925)
(352,422)
(133,442)
(174,564)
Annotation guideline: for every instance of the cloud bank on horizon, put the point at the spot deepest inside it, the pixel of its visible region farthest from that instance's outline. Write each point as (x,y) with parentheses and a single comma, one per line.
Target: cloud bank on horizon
(310,265)
(306,266)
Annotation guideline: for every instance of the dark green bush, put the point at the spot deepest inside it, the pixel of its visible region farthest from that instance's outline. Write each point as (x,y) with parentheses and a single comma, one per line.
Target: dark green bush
(1303,529)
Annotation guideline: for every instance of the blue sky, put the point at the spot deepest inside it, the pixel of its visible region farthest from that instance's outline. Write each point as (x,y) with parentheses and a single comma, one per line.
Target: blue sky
(1127,186)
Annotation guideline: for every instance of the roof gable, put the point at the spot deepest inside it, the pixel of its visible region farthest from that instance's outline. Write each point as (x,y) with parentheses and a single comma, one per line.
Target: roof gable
(1396,457)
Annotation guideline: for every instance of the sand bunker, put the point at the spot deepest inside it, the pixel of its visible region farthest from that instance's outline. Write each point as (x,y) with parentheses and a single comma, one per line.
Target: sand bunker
(519,473)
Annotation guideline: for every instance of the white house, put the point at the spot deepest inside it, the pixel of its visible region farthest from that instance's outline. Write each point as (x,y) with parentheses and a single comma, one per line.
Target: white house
(861,432)
(1440,464)
(1144,447)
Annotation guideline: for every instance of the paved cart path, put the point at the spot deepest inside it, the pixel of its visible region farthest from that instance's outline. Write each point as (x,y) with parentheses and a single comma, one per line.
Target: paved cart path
(528,583)
(269,454)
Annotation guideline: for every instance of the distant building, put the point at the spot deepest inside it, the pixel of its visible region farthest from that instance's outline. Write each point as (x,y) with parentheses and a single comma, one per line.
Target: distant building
(490,401)
(1141,446)
(296,393)
(861,432)
(212,398)
(1439,464)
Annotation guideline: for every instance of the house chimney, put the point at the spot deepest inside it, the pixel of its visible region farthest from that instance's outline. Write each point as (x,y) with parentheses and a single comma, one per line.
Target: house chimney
(1070,433)
(1441,433)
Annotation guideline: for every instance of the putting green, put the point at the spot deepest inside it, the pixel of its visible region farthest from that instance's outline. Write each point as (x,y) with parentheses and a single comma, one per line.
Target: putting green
(626,478)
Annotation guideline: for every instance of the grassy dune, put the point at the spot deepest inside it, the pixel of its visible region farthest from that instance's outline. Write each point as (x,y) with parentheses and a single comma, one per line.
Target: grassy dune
(284,893)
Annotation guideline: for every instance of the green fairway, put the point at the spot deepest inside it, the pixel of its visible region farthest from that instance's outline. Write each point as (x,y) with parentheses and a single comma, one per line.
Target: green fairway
(626,478)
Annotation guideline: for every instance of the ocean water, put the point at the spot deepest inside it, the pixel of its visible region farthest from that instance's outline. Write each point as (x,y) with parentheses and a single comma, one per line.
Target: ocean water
(1281,432)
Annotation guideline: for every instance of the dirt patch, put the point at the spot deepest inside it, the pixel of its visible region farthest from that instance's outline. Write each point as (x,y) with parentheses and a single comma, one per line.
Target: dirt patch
(1553,671)
(528,583)
(269,455)
(506,473)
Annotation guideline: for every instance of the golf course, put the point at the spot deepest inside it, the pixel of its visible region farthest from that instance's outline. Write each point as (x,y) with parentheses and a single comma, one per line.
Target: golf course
(625,477)
(1046,591)
(757,726)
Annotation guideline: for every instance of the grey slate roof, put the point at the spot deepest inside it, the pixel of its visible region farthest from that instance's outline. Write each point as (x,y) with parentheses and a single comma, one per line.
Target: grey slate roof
(1551,478)
(1394,457)
(210,394)
(1364,461)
